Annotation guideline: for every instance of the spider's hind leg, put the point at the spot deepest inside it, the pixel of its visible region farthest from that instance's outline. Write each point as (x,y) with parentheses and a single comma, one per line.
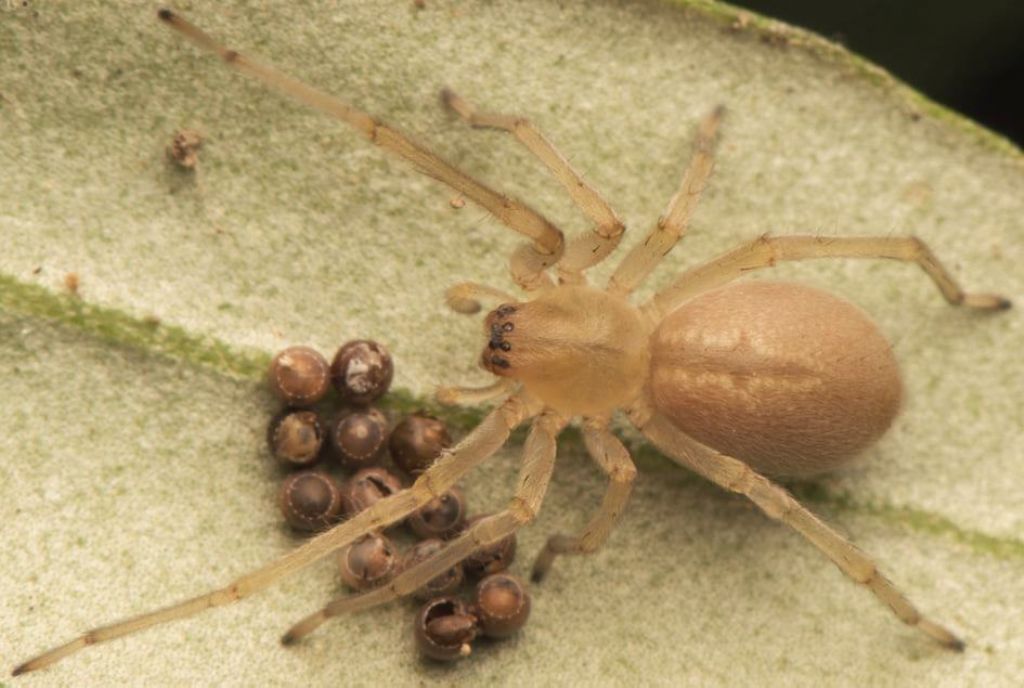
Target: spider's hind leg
(767,251)
(778,504)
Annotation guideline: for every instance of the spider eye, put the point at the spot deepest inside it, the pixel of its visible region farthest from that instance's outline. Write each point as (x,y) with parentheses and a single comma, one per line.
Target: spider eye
(497,325)
(504,310)
(495,363)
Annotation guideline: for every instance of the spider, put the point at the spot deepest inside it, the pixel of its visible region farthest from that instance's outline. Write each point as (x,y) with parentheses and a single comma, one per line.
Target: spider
(734,381)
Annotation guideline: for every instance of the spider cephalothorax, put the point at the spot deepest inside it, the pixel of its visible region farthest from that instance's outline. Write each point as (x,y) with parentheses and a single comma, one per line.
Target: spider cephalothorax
(703,369)
(580,350)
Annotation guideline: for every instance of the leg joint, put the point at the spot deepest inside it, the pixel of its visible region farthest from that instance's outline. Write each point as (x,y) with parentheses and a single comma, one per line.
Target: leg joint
(589,543)
(640,414)
(866,575)
(610,230)
(513,411)
(917,246)
(742,479)
(551,422)
(623,473)
(521,511)
(520,124)
(774,501)
(765,245)
(426,483)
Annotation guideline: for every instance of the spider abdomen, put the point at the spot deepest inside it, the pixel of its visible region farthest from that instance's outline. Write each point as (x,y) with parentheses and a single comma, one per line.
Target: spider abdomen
(790,379)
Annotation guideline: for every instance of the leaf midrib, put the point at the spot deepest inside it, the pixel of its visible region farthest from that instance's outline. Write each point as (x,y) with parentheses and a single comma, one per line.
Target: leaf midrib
(119,328)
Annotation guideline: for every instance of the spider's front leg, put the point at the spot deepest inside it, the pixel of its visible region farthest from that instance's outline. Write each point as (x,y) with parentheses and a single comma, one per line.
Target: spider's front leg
(534,476)
(528,263)
(586,250)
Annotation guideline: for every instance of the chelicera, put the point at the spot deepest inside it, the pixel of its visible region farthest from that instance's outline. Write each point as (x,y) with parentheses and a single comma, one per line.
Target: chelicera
(734,381)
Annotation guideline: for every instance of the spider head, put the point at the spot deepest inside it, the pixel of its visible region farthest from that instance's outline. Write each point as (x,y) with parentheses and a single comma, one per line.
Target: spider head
(498,326)
(578,349)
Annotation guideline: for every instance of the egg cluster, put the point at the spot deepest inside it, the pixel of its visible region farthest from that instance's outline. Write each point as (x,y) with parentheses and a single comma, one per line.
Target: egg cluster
(337,449)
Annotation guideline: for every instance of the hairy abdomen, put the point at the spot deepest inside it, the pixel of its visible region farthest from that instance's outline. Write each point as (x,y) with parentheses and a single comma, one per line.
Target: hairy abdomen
(790,379)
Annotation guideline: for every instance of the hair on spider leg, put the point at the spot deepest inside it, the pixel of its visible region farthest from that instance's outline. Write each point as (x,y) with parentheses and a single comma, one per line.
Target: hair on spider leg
(581,351)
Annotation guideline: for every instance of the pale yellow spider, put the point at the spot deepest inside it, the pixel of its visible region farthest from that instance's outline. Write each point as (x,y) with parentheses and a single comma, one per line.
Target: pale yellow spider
(730,381)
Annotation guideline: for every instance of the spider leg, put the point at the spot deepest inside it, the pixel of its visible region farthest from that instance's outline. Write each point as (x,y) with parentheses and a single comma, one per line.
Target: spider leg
(767,251)
(778,504)
(537,465)
(608,452)
(478,445)
(586,250)
(646,255)
(473,396)
(547,240)
(465,297)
